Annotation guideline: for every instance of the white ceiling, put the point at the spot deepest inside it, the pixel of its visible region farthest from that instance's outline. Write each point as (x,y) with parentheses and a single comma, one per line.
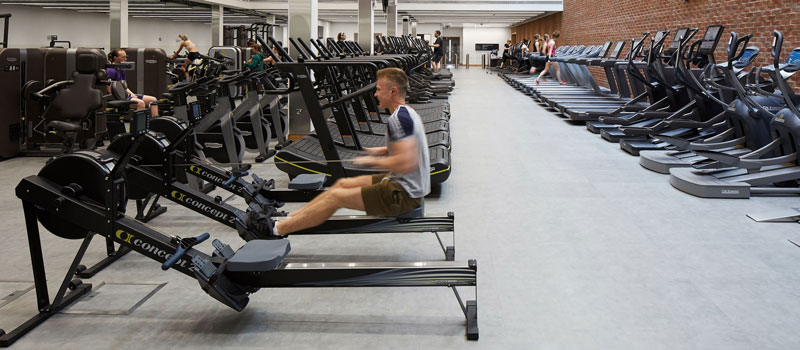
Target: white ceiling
(445,12)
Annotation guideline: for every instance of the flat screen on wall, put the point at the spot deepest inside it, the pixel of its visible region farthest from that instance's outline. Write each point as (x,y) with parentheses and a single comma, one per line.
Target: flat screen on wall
(487,47)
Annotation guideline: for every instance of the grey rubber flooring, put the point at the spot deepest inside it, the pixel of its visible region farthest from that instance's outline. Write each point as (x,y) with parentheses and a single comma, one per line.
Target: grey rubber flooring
(578,247)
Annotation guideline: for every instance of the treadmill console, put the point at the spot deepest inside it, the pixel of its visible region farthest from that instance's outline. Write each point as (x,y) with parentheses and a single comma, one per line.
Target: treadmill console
(604,50)
(140,123)
(710,40)
(658,41)
(617,49)
(660,35)
(631,53)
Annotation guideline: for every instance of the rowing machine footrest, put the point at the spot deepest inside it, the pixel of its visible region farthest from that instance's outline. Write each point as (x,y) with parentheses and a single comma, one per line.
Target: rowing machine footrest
(307,182)
(259,255)
(218,286)
(414,213)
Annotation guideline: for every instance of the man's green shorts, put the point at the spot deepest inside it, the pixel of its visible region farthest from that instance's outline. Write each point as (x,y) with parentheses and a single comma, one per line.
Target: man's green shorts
(387,198)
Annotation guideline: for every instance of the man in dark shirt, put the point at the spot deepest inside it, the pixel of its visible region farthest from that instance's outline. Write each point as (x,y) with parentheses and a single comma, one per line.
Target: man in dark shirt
(436,60)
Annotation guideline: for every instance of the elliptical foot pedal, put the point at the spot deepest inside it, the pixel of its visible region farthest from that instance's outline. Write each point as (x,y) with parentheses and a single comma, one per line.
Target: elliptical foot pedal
(307,182)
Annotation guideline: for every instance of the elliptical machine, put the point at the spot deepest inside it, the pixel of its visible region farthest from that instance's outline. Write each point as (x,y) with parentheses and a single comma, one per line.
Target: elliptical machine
(747,118)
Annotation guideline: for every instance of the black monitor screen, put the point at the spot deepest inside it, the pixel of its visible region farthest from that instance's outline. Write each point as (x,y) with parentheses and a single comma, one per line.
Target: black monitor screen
(139,122)
(659,35)
(487,47)
(711,33)
(680,34)
(194,112)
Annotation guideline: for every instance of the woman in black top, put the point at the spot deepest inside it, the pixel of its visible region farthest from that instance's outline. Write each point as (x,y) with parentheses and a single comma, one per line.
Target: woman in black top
(539,49)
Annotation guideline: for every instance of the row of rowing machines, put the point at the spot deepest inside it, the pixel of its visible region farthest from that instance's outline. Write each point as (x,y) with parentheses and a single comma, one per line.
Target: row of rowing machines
(82,194)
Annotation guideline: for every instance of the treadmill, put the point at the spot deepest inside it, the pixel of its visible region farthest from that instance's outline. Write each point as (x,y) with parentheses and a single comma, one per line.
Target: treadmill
(661,92)
(320,153)
(434,118)
(601,99)
(589,100)
(590,108)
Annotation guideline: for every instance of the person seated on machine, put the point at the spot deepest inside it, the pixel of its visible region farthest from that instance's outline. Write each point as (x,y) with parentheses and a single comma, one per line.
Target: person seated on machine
(268,59)
(192,53)
(388,194)
(256,62)
(117,56)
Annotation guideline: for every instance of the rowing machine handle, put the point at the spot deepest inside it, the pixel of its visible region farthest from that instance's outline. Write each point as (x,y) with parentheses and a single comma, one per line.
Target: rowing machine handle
(233,178)
(183,245)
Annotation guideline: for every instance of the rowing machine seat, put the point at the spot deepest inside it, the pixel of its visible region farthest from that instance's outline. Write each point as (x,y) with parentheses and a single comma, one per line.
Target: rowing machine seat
(259,255)
(417,212)
(307,182)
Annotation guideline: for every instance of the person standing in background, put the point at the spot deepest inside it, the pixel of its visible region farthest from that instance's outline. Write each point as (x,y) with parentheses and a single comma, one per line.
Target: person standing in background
(438,52)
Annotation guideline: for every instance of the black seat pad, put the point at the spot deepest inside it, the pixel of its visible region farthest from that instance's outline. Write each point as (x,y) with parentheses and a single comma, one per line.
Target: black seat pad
(259,255)
(63,126)
(120,104)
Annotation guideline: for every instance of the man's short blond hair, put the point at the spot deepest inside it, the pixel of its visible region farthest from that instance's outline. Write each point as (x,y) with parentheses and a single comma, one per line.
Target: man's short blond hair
(396,77)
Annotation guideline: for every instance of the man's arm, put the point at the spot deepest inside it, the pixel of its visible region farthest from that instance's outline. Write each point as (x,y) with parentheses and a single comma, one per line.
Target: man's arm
(404,158)
(376,151)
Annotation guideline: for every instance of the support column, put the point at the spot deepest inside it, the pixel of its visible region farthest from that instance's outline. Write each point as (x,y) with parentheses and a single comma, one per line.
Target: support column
(405,25)
(271,20)
(118,21)
(303,21)
(414,29)
(391,18)
(217,19)
(366,25)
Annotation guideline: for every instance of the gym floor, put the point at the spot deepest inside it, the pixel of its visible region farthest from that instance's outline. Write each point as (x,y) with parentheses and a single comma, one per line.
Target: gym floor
(577,247)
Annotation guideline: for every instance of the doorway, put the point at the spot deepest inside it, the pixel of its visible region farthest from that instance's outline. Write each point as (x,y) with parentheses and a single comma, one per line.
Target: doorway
(452,49)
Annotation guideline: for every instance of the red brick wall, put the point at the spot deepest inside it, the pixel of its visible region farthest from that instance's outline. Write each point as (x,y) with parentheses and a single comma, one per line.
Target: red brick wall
(540,26)
(592,22)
